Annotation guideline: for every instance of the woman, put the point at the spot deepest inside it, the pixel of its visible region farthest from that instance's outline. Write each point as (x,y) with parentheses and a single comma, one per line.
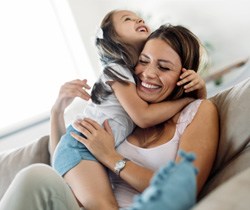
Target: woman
(114,97)
(194,129)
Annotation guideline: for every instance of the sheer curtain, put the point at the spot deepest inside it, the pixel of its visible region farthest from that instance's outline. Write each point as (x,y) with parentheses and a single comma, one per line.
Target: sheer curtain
(40,49)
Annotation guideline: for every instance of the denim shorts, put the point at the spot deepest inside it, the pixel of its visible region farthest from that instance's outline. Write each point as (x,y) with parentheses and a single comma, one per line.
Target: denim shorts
(69,152)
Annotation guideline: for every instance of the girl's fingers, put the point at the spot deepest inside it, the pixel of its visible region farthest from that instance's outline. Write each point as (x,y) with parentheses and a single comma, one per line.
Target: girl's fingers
(186,73)
(191,84)
(187,79)
(192,88)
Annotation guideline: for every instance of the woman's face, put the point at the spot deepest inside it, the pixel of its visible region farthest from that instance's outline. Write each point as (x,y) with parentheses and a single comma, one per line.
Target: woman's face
(130,28)
(158,71)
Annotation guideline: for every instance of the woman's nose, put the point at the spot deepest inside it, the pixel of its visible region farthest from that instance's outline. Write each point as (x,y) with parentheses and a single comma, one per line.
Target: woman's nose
(149,72)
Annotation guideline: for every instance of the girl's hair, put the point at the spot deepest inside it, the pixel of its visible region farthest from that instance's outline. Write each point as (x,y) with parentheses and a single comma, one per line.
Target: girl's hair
(112,49)
(185,44)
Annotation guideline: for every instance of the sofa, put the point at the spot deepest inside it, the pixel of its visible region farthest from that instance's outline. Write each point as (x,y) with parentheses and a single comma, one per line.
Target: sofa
(228,185)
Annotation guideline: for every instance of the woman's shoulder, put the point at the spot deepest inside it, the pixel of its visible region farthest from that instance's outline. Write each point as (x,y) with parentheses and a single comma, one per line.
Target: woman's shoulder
(207,110)
(207,106)
(199,106)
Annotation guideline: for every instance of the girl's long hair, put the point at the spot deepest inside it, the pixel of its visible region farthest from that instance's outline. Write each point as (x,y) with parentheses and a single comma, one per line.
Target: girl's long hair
(111,49)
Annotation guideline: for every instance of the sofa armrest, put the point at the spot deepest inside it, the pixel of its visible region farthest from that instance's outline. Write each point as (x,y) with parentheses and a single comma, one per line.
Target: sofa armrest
(233,194)
(13,161)
(233,153)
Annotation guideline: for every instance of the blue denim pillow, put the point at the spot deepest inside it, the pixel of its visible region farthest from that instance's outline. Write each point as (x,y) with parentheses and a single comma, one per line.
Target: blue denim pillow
(173,187)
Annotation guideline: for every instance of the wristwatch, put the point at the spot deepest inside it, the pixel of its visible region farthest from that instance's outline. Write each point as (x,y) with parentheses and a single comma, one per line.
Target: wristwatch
(120,164)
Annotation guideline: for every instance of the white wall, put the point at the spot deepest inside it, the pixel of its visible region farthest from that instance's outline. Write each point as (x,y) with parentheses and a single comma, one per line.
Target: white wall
(35,132)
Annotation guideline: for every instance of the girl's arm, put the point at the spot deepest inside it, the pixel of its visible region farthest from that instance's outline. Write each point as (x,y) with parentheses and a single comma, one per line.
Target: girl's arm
(201,137)
(67,93)
(143,114)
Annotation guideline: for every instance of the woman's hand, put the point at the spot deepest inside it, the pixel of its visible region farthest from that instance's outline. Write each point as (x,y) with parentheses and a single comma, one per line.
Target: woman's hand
(68,92)
(99,140)
(192,81)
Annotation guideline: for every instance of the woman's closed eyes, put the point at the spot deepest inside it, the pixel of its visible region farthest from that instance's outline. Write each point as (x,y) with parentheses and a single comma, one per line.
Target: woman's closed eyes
(160,66)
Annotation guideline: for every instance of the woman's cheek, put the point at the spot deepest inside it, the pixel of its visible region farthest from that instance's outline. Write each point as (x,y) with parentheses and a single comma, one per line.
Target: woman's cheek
(138,69)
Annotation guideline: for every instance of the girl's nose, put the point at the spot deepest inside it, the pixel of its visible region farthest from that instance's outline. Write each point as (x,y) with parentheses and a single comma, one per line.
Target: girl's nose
(139,20)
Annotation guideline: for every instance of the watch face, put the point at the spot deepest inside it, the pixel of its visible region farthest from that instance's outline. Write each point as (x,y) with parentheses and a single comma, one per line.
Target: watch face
(120,164)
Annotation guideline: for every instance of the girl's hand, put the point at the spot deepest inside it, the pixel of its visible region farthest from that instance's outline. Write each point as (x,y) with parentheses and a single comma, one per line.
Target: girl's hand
(192,81)
(99,140)
(70,90)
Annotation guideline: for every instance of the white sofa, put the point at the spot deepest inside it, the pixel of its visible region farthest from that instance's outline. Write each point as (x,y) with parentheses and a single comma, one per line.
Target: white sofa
(228,185)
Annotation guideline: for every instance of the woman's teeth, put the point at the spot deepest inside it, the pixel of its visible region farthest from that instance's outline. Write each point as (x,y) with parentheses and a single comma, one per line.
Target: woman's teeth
(150,86)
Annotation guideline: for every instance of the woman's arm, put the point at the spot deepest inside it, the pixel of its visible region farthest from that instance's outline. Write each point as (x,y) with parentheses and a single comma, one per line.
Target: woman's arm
(67,93)
(201,137)
(100,142)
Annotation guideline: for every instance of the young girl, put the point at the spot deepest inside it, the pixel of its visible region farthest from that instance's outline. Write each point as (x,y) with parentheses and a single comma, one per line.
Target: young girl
(120,40)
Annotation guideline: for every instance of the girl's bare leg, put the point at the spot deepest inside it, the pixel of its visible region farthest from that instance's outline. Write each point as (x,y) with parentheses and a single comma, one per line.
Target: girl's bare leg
(90,183)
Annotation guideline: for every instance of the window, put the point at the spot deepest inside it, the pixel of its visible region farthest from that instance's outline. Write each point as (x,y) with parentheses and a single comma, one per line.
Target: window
(40,50)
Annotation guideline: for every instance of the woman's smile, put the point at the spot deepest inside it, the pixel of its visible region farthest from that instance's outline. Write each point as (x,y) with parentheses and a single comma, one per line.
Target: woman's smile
(149,86)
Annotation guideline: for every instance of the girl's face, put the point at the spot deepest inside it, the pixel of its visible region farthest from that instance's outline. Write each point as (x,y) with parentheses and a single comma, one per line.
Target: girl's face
(130,28)
(158,71)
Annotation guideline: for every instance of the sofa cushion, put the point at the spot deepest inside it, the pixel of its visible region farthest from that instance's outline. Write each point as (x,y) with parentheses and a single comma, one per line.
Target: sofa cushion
(13,161)
(233,107)
(233,194)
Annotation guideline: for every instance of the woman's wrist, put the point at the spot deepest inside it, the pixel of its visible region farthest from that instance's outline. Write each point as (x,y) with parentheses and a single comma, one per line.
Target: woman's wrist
(111,160)
(56,110)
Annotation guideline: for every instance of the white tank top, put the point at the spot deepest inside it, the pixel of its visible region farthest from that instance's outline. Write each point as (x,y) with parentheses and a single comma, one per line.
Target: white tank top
(152,158)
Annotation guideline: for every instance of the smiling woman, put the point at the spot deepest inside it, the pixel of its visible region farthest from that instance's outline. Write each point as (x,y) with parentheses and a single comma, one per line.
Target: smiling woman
(35,60)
